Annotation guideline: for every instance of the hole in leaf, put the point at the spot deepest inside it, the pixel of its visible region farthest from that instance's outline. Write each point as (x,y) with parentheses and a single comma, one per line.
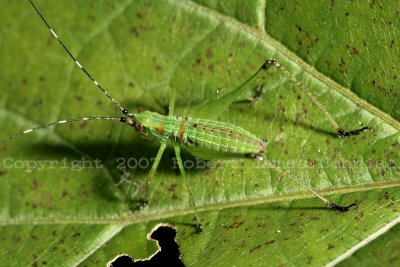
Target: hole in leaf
(167,255)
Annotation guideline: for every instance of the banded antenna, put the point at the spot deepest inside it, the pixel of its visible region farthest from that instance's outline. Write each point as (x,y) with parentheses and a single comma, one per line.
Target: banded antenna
(53,33)
(123,110)
(121,119)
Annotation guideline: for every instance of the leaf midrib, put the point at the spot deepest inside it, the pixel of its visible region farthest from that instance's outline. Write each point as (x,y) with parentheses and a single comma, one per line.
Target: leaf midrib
(156,216)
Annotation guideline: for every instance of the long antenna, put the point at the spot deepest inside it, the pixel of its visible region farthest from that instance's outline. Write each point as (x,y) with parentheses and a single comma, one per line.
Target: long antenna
(124,111)
(121,119)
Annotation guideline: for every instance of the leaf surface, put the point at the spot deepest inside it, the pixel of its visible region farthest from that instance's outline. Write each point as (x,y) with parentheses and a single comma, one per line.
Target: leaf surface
(69,192)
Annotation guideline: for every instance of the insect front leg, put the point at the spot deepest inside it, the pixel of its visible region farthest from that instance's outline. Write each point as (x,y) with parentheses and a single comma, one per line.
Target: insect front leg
(163,145)
(157,160)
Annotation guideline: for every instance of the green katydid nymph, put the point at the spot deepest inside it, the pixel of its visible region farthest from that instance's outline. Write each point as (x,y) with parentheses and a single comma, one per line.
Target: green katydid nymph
(203,138)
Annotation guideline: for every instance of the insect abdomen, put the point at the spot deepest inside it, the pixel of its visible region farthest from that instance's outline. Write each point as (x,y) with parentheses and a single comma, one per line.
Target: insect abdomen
(221,137)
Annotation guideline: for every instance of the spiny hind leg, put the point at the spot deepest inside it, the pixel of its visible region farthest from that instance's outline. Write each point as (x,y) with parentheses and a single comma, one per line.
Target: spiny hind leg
(212,109)
(191,198)
(327,202)
(342,133)
(257,94)
(350,133)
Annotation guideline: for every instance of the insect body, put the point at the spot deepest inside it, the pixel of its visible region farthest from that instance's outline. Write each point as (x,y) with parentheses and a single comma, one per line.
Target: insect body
(205,139)
(200,132)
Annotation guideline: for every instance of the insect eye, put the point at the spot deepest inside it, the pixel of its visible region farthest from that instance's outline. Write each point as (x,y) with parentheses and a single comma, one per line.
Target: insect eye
(139,127)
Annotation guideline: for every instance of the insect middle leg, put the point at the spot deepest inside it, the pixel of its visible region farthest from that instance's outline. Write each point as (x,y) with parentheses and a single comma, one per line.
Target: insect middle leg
(191,198)
(181,168)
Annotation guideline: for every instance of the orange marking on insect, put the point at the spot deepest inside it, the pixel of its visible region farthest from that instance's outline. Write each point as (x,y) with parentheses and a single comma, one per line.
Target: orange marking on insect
(182,127)
(160,129)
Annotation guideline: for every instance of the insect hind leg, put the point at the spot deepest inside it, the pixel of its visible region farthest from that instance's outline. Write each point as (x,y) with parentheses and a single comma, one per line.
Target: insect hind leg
(350,133)
(342,133)
(327,202)
(341,208)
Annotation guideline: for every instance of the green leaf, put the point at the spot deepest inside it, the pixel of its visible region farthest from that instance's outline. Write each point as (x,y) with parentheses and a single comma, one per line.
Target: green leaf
(380,251)
(69,192)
